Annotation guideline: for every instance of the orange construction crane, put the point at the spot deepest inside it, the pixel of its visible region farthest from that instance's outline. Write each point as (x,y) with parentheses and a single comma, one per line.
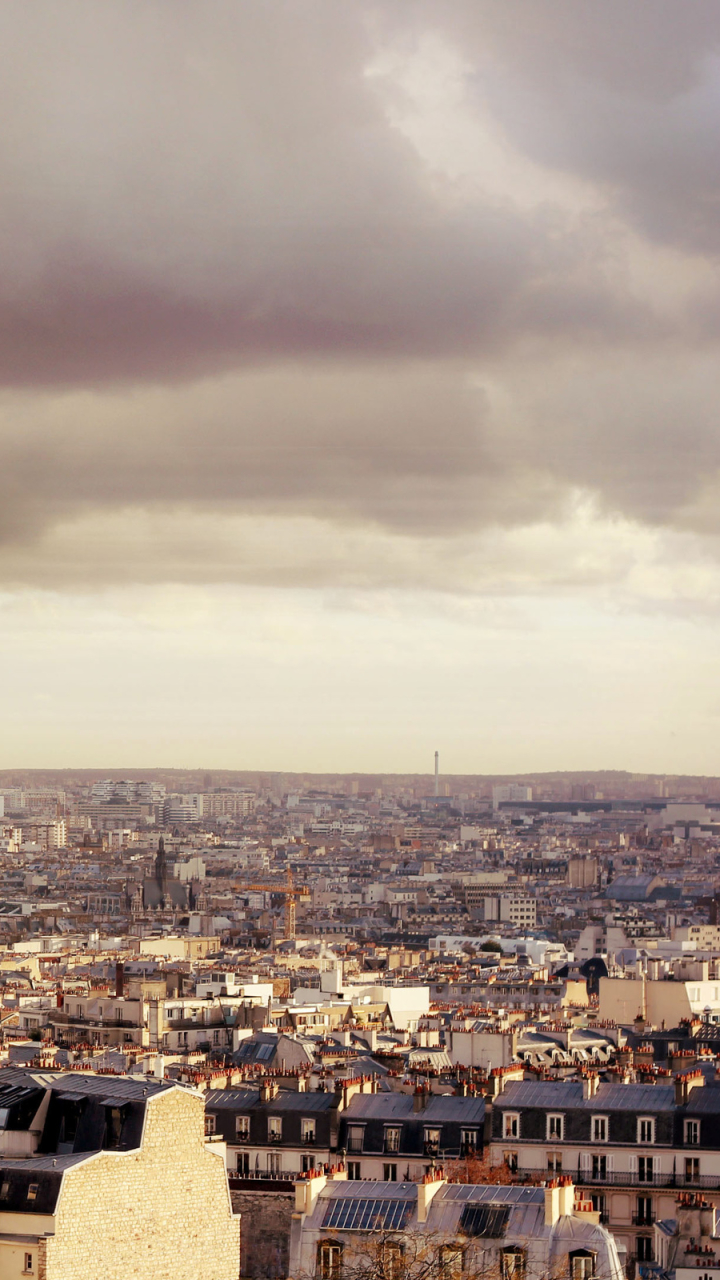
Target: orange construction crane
(290,891)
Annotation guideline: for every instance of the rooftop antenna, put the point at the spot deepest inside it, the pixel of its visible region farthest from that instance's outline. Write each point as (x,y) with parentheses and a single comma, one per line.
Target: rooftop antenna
(437,773)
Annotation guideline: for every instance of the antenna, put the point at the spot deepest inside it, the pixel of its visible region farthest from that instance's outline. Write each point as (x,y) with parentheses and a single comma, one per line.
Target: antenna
(437,774)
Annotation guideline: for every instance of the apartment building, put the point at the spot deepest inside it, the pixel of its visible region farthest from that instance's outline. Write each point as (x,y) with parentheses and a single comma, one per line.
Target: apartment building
(631,1146)
(273,1132)
(513,1233)
(396,1137)
(515,909)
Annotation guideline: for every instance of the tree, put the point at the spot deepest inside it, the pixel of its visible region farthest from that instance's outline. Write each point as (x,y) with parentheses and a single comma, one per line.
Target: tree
(476,1168)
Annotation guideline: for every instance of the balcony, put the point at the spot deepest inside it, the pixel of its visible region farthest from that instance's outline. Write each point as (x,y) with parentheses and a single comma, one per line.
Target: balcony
(643,1219)
(274,1137)
(308,1139)
(708,1182)
(355,1145)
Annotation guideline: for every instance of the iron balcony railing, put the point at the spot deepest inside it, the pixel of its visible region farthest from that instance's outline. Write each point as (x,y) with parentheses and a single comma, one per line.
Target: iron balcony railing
(705,1182)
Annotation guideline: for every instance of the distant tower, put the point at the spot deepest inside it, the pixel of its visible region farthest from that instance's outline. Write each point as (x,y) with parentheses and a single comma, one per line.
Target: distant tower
(437,773)
(161,866)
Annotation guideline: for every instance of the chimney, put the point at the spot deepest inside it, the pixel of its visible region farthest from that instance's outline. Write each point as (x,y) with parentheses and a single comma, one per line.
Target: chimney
(685,1083)
(590,1083)
(119,979)
(307,1191)
(552,1203)
(420,1098)
(59,997)
(427,1189)
(566,1197)
(268,1090)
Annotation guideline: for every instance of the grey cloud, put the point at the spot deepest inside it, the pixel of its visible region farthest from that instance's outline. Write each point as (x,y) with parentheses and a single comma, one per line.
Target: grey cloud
(186,189)
(229,285)
(624,95)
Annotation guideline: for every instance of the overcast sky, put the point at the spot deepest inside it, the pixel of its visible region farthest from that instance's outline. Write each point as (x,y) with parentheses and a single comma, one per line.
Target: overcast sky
(360,384)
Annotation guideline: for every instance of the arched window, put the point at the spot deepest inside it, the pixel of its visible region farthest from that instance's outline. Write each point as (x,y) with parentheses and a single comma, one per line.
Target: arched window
(329,1260)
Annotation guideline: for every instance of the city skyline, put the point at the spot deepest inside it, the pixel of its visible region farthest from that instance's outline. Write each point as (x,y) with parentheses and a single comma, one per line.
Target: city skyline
(358,385)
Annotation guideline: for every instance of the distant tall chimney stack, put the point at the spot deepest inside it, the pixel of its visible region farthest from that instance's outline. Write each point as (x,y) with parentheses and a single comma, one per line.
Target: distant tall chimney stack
(437,773)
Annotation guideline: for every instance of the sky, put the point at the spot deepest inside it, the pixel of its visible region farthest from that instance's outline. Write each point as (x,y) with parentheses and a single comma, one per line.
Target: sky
(359,384)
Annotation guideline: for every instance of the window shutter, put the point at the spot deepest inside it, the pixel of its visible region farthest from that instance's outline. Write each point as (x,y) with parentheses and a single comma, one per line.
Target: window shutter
(585,1161)
(633,1164)
(610,1164)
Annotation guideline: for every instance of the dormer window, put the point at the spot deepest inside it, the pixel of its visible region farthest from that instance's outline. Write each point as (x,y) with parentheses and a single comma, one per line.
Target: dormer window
(511,1124)
(599,1127)
(555,1127)
(646,1130)
(692,1133)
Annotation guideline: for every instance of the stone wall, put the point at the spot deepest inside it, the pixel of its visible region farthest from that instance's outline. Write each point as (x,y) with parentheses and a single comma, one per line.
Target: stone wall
(163,1211)
(265,1253)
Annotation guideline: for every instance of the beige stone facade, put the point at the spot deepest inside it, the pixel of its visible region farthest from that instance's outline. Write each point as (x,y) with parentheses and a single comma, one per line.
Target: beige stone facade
(161,1212)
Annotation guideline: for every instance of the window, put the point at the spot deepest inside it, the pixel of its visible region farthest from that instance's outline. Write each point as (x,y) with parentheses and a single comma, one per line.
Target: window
(468,1137)
(28,1264)
(646,1169)
(599,1128)
(692,1169)
(274,1162)
(644,1248)
(555,1127)
(392,1139)
(353,1171)
(511,1161)
(32,1191)
(513,1263)
(242,1128)
(4,1191)
(554,1161)
(329,1260)
(582,1265)
(511,1124)
(274,1128)
(644,1216)
(692,1133)
(599,1168)
(307,1131)
(451,1261)
(646,1129)
(355,1137)
(243,1164)
(389,1173)
(432,1141)
(113,1126)
(392,1256)
(308,1161)
(210,1123)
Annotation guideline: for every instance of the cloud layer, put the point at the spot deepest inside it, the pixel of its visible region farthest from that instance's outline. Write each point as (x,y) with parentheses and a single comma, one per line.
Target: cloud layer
(358,294)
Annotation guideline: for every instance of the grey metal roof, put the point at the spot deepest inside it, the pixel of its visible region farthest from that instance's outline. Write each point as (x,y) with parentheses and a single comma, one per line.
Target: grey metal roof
(41,1164)
(366,1189)
(400,1106)
(609,1097)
